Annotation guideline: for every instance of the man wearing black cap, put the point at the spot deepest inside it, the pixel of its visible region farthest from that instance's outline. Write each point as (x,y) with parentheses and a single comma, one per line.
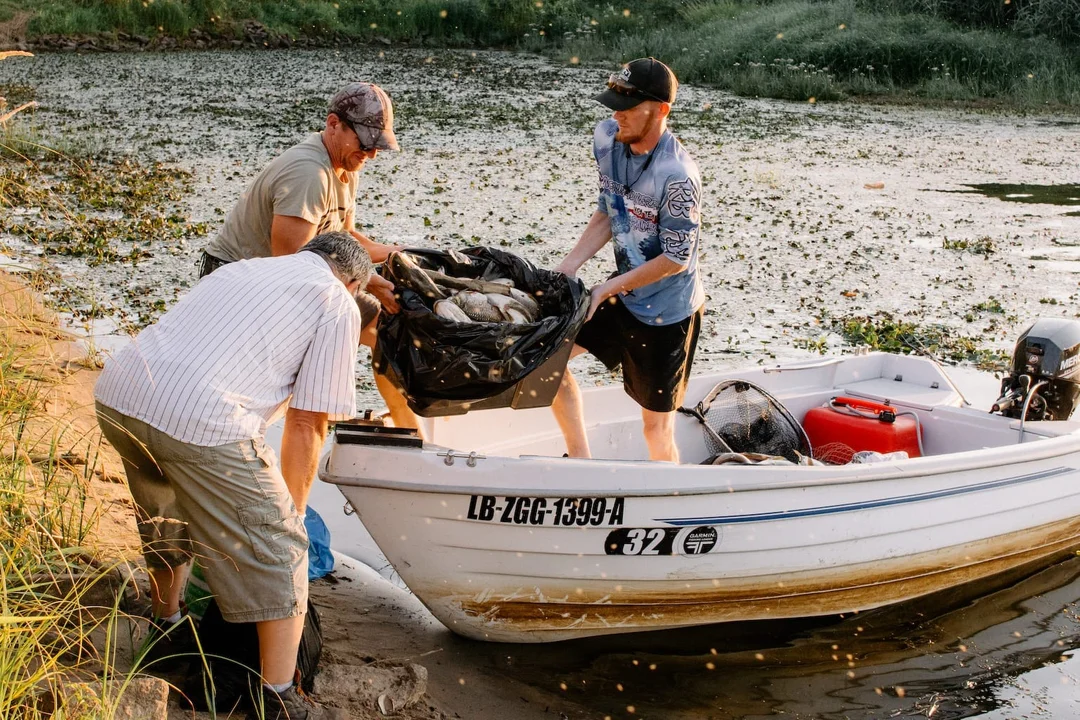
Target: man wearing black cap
(647,316)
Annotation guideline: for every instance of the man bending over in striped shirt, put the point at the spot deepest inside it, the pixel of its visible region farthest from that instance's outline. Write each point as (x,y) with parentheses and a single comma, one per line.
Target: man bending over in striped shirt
(187,404)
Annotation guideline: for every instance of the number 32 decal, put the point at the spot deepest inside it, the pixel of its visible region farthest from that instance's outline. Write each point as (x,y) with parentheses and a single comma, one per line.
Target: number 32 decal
(662,541)
(645,542)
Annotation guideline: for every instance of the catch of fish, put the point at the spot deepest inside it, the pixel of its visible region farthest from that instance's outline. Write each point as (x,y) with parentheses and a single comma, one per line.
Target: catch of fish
(465,300)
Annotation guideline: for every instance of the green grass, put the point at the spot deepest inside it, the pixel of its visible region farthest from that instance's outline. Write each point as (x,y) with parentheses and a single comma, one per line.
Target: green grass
(935,50)
(60,616)
(798,50)
(45,522)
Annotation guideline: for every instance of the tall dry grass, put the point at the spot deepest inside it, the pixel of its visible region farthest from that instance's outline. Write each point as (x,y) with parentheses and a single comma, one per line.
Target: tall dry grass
(50,575)
(59,595)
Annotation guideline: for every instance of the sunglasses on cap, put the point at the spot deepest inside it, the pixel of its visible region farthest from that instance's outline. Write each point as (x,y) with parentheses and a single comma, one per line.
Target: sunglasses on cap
(363,146)
(617,84)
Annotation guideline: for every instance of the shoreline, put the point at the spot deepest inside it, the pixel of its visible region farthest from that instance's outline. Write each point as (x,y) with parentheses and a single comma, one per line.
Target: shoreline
(367,621)
(796,237)
(106,43)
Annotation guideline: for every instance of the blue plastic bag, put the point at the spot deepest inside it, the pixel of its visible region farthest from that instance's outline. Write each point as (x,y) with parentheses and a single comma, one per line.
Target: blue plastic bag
(320,559)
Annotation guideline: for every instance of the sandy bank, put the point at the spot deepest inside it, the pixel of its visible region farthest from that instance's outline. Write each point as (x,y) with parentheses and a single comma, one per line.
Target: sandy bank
(367,621)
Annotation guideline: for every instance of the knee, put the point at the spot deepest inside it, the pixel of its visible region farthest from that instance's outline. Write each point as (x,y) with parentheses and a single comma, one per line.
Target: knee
(658,424)
(567,382)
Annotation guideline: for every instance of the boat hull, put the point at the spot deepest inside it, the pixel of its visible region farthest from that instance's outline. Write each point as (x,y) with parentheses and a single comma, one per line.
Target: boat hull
(506,541)
(510,575)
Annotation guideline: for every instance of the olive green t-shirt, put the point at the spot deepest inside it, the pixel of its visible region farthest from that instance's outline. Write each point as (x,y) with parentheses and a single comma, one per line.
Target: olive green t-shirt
(301,183)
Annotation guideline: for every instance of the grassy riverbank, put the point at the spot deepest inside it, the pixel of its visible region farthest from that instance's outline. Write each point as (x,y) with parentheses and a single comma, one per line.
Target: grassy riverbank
(59,588)
(56,593)
(1023,54)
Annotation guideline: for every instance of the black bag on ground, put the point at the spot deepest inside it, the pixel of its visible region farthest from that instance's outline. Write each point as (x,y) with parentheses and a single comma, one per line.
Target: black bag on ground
(230,666)
(447,367)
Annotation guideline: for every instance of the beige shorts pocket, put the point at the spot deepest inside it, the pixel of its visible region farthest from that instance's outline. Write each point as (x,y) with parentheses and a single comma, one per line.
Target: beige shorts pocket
(276,539)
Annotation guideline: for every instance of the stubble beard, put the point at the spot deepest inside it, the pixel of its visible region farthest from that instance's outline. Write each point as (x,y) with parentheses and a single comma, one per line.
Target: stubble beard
(626,138)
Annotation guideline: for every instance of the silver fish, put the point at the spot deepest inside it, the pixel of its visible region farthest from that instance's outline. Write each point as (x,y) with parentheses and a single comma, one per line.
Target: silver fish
(476,306)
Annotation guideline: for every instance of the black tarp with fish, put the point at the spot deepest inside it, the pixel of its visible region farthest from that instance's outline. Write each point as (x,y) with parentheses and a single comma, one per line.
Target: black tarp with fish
(446,367)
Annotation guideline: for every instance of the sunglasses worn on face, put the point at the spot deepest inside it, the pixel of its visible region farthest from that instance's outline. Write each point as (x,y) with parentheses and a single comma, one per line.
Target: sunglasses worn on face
(617,84)
(360,142)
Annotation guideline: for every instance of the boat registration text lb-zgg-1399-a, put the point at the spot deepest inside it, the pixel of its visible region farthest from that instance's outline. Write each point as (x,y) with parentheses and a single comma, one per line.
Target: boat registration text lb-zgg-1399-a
(563,512)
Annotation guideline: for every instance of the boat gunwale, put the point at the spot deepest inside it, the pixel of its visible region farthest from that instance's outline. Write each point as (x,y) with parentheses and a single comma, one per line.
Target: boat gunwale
(809,476)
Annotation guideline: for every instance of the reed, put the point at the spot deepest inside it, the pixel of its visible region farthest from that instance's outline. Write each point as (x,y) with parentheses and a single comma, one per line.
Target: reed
(59,600)
(46,567)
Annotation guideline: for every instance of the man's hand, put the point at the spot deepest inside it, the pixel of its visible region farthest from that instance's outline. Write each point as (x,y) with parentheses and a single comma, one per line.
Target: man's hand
(383,290)
(598,294)
(567,268)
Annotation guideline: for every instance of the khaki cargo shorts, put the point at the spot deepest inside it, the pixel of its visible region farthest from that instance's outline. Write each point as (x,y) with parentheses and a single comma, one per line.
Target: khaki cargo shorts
(226,504)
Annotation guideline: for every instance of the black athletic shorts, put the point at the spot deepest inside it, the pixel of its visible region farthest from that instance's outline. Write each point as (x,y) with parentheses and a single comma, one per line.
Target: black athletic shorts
(655,359)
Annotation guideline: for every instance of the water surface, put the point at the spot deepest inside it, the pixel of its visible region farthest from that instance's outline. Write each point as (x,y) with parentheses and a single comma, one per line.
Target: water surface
(811,212)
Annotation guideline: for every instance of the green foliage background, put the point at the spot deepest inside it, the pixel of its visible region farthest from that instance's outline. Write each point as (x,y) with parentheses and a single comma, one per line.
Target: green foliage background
(1022,52)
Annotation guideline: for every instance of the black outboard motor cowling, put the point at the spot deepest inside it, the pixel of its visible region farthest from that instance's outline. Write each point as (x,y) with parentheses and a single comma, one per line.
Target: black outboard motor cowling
(1045,372)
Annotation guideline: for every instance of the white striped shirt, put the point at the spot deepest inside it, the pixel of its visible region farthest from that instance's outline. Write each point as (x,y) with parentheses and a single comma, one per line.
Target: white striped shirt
(222,363)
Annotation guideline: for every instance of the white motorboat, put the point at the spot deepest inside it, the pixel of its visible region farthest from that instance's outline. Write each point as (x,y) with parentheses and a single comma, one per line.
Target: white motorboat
(503,539)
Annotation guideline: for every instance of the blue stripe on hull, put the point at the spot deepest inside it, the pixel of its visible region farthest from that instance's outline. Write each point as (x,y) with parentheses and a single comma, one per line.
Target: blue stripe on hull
(869,504)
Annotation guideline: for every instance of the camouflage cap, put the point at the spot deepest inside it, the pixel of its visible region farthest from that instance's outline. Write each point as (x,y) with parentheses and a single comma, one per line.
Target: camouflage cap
(366,108)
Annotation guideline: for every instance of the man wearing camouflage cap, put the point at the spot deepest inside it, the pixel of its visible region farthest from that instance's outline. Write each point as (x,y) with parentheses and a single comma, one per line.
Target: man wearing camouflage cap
(311,189)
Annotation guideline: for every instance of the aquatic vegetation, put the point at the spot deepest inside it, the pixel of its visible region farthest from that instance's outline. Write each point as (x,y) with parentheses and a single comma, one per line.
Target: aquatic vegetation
(992,305)
(984,246)
(102,211)
(885,332)
(70,207)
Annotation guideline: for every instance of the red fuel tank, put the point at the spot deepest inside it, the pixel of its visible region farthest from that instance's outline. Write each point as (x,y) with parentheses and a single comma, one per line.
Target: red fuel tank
(847,425)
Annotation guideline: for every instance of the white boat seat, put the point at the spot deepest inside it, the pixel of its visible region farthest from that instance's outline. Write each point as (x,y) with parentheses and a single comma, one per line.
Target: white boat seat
(1047,428)
(903,393)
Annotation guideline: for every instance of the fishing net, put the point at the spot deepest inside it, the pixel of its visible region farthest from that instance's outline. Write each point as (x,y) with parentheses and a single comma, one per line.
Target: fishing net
(738,416)
(834,453)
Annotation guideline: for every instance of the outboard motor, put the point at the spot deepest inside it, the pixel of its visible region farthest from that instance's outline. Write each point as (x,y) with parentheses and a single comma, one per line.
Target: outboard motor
(1044,380)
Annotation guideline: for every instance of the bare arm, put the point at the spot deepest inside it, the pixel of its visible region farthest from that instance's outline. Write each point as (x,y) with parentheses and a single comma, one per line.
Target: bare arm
(595,236)
(301,442)
(658,268)
(288,234)
(376,250)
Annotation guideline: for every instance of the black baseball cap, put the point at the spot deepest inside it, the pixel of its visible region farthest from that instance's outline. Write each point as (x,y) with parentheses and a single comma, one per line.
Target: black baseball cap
(639,80)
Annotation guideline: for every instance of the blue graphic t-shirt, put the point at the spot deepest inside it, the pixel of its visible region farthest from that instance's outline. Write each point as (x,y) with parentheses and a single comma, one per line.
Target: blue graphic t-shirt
(654,202)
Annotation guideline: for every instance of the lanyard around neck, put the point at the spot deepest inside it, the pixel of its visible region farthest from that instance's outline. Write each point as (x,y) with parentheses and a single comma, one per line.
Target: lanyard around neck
(627,185)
